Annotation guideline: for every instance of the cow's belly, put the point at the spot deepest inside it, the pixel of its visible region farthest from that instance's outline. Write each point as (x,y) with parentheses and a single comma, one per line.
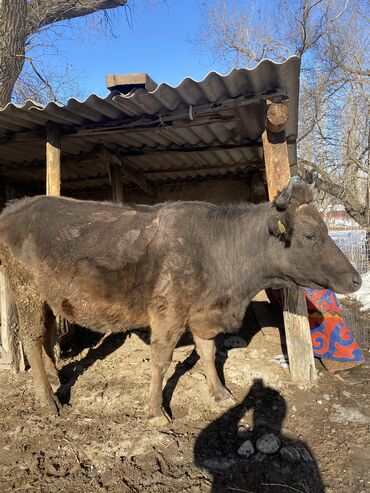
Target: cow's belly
(100,315)
(96,310)
(211,320)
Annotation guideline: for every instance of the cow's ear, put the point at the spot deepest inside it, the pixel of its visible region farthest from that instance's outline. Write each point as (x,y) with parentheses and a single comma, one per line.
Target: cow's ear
(280,226)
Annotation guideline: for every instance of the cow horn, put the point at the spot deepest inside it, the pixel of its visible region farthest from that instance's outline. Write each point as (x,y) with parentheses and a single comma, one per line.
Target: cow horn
(282,200)
(313,178)
(310,177)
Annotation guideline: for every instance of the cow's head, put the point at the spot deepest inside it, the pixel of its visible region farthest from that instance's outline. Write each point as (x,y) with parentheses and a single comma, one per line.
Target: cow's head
(309,257)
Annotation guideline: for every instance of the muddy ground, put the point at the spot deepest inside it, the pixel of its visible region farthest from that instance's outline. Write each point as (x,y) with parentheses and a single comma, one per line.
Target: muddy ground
(103,442)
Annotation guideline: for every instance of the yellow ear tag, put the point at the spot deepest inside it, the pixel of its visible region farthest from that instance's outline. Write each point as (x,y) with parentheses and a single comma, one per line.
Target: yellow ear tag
(281,227)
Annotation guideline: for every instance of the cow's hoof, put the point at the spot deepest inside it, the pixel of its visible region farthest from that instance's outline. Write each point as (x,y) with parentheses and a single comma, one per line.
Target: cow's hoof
(51,406)
(65,410)
(223,396)
(160,420)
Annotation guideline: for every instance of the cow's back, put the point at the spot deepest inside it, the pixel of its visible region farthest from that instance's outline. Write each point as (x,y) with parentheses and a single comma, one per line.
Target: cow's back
(83,254)
(65,230)
(98,263)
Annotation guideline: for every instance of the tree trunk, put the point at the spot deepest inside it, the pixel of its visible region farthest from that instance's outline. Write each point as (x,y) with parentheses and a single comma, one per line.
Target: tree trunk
(368,197)
(13,15)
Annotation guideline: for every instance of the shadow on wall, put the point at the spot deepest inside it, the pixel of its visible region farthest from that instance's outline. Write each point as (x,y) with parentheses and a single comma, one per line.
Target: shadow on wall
(291,467)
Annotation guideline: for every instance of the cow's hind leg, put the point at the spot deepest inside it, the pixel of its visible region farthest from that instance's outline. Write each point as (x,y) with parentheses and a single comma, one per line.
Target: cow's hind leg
(31,311)
(50,336)
(206,348)
(48,400)
(164,338)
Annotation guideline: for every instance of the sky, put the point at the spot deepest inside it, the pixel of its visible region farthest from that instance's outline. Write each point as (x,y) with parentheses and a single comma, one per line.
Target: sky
(152,39)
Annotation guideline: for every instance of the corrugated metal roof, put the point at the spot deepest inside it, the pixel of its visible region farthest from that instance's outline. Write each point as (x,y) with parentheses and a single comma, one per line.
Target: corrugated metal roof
(199,128)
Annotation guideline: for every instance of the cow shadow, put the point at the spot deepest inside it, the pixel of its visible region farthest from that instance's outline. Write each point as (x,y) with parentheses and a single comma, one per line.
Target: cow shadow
(248,331)
(216,447)
(99,347)
(180,370)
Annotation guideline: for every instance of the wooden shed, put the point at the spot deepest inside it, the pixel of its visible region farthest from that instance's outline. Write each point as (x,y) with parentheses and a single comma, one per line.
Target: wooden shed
(220,139)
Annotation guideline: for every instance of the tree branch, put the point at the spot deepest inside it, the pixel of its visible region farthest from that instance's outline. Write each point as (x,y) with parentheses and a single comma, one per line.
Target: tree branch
(363,72)
(46,12)
(325,183)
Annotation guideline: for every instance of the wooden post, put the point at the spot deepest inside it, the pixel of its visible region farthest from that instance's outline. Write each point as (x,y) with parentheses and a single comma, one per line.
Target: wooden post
(125,170)
(12,355)
(11,349)
(52,159)
(5,356)
(298,336)
(53,182)
(115,178)
(115,174)
(297,329)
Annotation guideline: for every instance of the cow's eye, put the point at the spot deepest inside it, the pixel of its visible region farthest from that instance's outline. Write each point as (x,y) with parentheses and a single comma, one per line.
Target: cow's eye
(310,237)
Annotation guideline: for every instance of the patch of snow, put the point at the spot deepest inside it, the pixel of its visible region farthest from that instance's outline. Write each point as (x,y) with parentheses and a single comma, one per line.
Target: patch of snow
(341,296)
(363,294)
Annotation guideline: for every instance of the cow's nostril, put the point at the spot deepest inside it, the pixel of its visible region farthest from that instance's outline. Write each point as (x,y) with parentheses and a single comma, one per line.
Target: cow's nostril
(357,280)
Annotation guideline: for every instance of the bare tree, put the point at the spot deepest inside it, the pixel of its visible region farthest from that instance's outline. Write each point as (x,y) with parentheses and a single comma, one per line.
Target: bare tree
(332,37)
(20,20)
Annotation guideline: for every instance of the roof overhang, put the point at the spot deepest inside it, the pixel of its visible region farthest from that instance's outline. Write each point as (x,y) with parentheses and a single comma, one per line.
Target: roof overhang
(198,129)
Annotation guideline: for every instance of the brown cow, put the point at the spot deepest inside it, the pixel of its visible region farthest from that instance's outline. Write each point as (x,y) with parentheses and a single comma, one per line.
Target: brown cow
(176,267)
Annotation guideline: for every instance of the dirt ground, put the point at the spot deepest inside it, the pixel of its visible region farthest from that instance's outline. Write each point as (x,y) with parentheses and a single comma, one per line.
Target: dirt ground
(103,441)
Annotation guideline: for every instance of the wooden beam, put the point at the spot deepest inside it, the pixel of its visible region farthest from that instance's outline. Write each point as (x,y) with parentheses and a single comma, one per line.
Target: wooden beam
(82,192)
(126,82)
(252,165)
(93,154)
(297,329)
(127,171)
(138,179)
(68,159)
(53,146)
(180,118)
(276,116)
(200,115)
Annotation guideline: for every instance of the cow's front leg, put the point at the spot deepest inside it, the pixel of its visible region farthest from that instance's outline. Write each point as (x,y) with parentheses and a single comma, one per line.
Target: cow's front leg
(206,348)
(163,342)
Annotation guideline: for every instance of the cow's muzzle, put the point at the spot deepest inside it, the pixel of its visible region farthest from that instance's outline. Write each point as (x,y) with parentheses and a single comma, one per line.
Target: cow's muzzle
(357,282)
(348,284)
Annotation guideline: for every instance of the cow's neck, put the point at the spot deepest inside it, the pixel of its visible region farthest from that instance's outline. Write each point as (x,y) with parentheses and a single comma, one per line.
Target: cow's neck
(241,250)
